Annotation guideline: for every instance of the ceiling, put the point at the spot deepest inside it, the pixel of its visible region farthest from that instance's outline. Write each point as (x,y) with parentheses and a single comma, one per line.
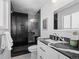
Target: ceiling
(27,6)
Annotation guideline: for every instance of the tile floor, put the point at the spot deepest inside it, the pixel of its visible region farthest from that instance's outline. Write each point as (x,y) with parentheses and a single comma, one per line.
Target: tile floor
(26,56)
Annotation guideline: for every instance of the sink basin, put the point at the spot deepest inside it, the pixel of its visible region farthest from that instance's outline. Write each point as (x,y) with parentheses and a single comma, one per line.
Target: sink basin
(65,47)
(69,50)
(62,45)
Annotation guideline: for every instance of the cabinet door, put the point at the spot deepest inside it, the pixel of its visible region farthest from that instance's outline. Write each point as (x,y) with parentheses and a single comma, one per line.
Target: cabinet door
(45,52)
(61,56)
(67,58)
(41,54)
(38,51)
(52,54)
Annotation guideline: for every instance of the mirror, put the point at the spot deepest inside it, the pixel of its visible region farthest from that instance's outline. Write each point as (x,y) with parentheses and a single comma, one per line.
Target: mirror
(67,22)
(68,17)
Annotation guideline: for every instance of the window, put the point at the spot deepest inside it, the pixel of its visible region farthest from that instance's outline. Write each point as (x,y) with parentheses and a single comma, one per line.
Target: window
(75,20)
(67,20)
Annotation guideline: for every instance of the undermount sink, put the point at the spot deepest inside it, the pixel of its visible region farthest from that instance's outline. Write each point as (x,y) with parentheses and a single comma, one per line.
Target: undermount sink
(65,47)
(62,45)
(69,50)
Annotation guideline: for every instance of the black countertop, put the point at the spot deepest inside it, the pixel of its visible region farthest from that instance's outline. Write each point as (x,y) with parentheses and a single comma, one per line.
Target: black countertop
(66,46)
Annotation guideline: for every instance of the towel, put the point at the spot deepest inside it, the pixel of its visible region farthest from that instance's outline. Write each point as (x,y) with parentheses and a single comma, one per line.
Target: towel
(6,41)
(3,42)
(9,41)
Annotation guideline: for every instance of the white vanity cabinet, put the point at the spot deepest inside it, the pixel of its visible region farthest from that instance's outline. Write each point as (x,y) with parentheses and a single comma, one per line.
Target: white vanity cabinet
(41,51)
(45,52)
(61,56)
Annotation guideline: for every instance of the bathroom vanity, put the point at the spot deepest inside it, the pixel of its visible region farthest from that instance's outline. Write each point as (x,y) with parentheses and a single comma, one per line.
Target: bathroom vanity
(46,52)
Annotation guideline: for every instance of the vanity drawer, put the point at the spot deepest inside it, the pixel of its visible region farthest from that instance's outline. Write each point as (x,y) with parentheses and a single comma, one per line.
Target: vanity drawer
(42,46)
(41,52)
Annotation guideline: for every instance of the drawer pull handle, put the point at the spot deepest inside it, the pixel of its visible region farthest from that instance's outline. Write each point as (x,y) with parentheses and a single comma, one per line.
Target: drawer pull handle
(42,49)
(41,57)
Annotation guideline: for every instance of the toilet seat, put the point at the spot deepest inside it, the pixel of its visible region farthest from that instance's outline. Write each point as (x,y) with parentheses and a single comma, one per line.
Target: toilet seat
(32,48)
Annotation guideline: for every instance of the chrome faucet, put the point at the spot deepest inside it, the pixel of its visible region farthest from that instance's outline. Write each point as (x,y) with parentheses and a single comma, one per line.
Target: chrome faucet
(57,35)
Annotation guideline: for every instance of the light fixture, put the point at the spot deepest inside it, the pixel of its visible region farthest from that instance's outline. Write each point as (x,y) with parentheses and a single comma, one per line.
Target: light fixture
(32,20)
(54,1)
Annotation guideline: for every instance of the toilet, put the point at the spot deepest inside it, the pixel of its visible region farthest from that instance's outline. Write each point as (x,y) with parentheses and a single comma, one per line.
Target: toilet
(33,50)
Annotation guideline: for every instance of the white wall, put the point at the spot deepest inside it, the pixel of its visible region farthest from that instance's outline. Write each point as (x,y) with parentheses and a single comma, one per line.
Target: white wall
(47,11)
(61,3)
(5,15)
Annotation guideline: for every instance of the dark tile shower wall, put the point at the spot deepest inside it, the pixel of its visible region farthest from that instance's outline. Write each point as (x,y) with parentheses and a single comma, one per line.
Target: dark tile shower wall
(19,33)
(19,28)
